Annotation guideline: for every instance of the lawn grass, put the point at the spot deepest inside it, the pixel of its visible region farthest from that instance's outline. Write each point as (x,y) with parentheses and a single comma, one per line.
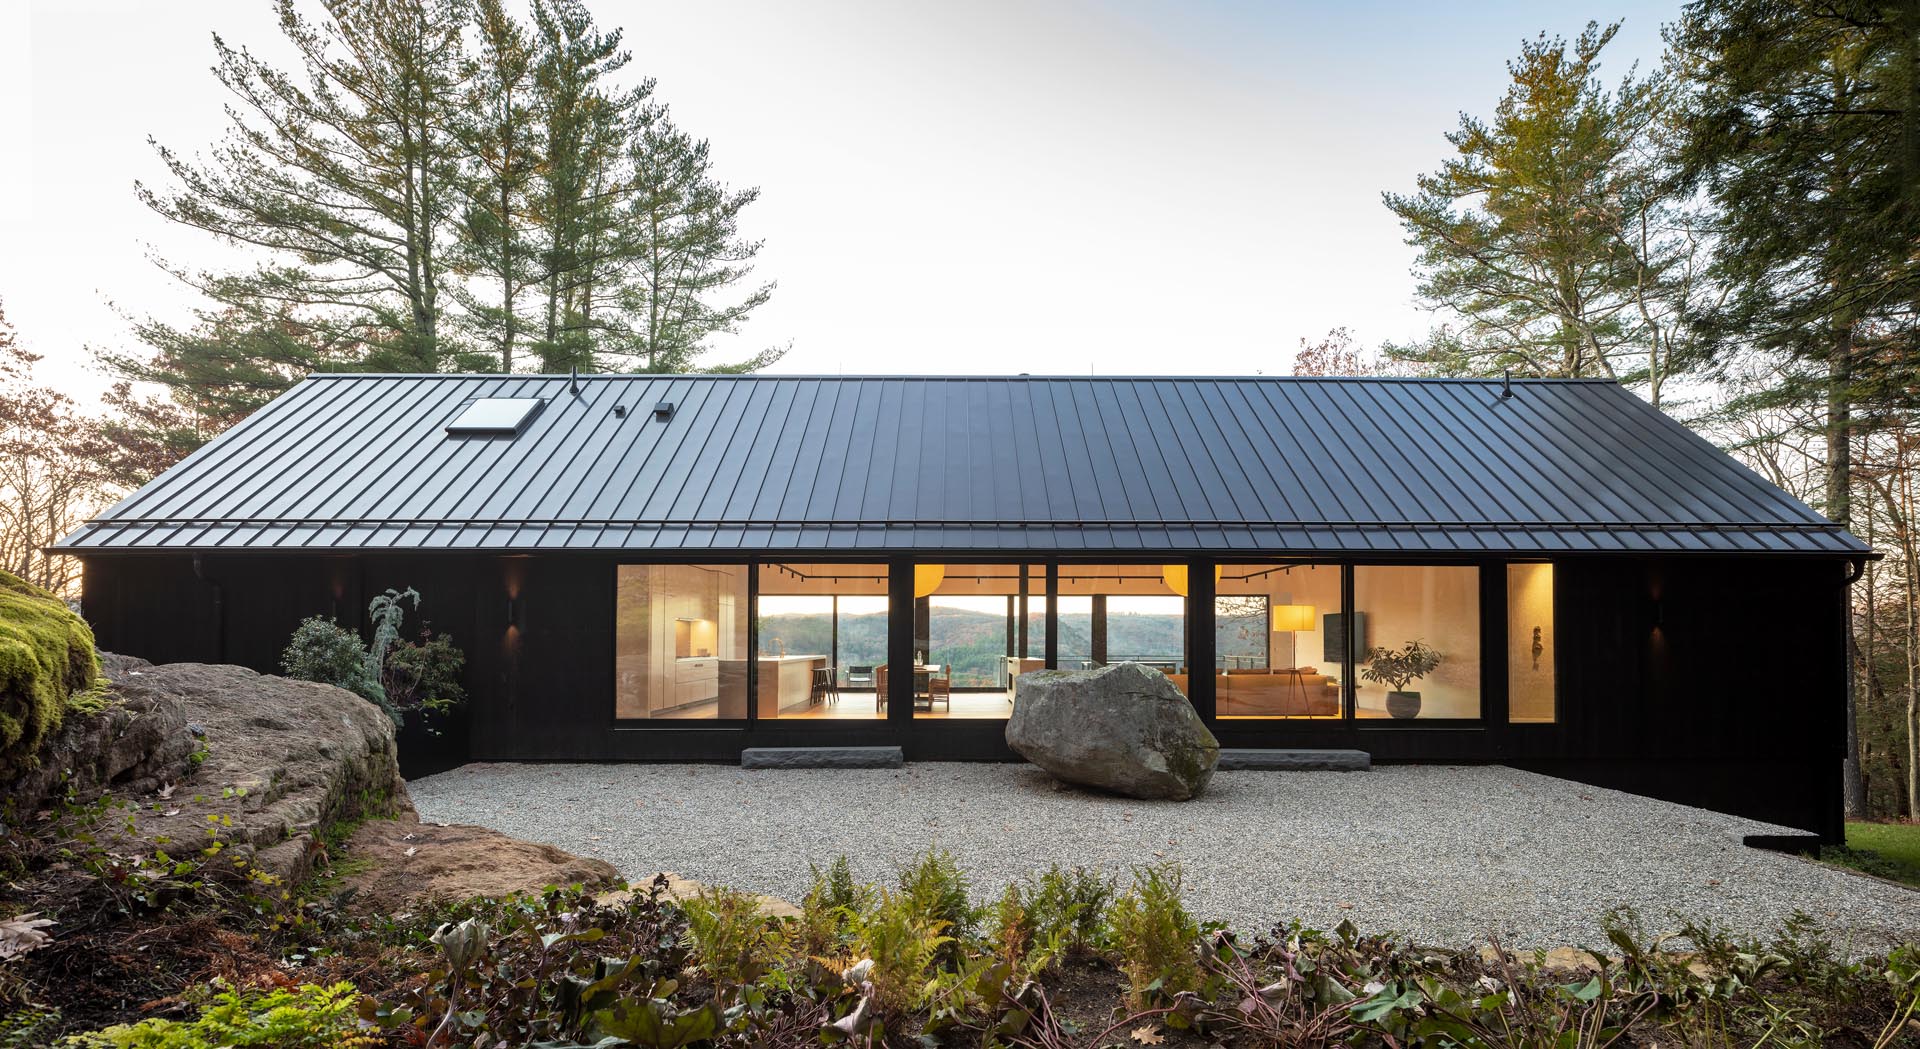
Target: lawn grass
(1887,850)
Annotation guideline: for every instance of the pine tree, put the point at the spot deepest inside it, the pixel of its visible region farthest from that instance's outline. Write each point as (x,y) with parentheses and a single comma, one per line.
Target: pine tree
(586,123)
(1803,125)
(438,184)
(680,250)
(340,177)
(498,130)
(1527,237)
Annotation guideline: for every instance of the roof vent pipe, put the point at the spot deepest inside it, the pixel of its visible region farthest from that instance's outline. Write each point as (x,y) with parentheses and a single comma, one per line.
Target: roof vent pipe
(573,380)
(1506,384)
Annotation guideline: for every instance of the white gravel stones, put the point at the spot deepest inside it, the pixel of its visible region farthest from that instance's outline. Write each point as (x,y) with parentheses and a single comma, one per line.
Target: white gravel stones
(1444,854)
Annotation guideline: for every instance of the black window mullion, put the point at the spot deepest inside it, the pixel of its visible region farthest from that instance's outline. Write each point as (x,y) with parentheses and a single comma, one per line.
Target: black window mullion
(1348,697)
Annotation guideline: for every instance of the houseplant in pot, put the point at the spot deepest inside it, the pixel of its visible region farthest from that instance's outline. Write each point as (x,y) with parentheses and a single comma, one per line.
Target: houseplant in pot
(1397,668)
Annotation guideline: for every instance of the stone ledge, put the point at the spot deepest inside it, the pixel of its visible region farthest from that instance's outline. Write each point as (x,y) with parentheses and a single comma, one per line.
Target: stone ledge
(1243,759)
(821,758)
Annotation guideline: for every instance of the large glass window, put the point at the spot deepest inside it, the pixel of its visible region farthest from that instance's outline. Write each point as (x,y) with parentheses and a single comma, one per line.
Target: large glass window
(1530,683)
(822,640)
(1416,638)
(968,641)
(1124,613)
(1278,632)
(680,639)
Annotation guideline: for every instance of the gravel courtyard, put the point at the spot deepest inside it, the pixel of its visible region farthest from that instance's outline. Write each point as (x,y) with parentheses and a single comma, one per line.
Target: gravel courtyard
(1446,855)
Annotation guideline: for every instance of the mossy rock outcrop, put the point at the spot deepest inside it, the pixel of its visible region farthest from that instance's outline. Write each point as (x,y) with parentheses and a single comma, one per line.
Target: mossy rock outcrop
(46,659)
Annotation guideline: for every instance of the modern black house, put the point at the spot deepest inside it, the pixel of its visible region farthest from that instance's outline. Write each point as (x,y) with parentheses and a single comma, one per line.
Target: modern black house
(1546,574)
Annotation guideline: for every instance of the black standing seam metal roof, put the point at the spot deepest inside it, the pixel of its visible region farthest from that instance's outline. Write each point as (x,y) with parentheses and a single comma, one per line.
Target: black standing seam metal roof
(1293,466)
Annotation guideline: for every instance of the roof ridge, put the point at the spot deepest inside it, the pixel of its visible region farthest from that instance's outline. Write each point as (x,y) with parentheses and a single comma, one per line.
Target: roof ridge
(865,377)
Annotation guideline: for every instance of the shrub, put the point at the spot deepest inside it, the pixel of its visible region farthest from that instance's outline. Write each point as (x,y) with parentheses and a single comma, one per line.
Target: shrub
(324,651)
(47,661)
(424,675)
(1155,937)
(311,1016)
(393,674)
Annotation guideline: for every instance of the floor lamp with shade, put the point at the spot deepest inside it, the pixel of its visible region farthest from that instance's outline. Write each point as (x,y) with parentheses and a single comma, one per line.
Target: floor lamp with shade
(1290,620)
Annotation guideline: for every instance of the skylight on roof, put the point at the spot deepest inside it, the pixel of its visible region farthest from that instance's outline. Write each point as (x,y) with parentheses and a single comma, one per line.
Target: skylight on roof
(495,415)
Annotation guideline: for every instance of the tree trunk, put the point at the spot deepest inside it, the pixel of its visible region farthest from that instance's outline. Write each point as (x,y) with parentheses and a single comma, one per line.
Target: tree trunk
(506,265)
(1839,510)
(1908,554)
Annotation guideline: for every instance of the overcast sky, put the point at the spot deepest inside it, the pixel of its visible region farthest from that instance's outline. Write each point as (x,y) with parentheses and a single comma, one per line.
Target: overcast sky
(1120,188)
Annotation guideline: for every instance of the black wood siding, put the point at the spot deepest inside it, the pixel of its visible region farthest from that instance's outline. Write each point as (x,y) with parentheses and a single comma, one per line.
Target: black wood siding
(1711,682)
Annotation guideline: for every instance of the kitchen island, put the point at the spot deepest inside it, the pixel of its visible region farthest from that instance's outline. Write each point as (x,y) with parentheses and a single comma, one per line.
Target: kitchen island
(786,684)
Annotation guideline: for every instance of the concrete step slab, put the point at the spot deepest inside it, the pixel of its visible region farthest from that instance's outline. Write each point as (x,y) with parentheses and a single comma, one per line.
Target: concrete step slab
(1247,759)
(821,758)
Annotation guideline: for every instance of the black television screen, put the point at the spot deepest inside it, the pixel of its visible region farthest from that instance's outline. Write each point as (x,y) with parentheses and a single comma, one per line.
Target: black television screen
(1333,635)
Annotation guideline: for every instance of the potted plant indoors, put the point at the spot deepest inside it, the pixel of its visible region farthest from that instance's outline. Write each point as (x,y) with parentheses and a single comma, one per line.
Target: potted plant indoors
(1398,668)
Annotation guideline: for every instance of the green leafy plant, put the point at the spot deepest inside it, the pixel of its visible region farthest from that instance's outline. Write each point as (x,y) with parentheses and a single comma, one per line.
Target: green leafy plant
(555,967)
(1069,906)
(324,651)
(735,941)
(1155,938)
(1400,667)
(935,888)
(392,673)
(901,946)
(424,675)
(308,1017)
(832,906)
(1009,929)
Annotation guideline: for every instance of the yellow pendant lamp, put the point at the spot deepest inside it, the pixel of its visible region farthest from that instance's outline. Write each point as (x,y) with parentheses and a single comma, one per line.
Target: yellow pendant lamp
(1175,576)
(927,579)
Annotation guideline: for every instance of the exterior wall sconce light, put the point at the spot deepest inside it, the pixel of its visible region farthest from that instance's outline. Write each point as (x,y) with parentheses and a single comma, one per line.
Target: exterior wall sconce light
(513,611)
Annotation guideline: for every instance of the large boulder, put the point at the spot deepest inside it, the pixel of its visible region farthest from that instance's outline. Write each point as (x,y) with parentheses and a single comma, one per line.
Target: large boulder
(1122,728)
(275,763)
(133,744)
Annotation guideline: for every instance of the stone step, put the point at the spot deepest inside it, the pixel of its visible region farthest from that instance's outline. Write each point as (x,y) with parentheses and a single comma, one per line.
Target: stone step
(821,758)
(1248,759)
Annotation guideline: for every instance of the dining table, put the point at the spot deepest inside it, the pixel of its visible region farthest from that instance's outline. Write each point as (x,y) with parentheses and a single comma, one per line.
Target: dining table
(923,675)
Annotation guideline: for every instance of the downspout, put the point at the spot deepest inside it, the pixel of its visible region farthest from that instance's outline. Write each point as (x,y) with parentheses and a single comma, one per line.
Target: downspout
(219,609)
(1853,802)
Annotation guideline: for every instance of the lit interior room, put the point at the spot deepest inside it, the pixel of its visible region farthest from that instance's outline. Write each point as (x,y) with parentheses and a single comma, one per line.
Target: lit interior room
(1280,637)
